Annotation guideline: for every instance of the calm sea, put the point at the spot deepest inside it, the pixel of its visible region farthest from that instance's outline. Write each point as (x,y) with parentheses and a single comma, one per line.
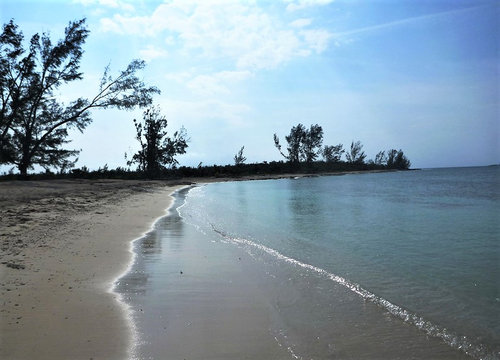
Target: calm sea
(401,262)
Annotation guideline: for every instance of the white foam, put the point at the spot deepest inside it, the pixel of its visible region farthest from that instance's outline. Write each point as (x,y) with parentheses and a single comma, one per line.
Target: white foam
(461,343)
(126,308)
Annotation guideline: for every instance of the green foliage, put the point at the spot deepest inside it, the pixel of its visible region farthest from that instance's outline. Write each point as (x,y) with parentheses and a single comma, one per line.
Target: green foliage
(33,124)
(333,153)
(396,159)
(239,158)
(380,158)
(270,169)
(356,155)
(311,143)
(303,144)
(158,150)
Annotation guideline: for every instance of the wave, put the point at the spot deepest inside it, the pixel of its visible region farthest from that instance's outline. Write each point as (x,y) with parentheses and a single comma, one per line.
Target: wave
(462,343)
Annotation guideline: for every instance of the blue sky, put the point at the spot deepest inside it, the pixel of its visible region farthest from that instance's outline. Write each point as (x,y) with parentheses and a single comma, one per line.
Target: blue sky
(420,75)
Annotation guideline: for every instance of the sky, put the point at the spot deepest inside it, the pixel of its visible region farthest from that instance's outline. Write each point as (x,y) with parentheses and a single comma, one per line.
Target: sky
(416,75)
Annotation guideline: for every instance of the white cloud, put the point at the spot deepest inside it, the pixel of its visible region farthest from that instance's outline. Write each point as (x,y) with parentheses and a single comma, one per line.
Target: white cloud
(300,23)
(126,25)
(317,39)
(151,52)
(84,2)
(179,77)
(294,5)
(218,83)
(207,85)
(239,32)
(197,116)
(115,4)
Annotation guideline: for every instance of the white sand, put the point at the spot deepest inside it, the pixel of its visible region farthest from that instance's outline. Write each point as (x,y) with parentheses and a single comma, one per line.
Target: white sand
(60,305)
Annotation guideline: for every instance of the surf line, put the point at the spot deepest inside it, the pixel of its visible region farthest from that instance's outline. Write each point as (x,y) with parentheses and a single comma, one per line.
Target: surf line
(125,307)
(462,343)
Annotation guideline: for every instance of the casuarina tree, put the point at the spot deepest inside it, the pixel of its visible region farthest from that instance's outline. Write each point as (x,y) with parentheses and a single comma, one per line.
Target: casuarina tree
(380,158)
(356,155)
(311,143)
(397,160)
(303,144)
(332,153)
(294,140)
(34,124)
(158,150)
(239,158)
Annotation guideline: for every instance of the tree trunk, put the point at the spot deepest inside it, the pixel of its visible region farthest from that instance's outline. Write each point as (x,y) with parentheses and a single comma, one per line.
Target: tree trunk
(23,170)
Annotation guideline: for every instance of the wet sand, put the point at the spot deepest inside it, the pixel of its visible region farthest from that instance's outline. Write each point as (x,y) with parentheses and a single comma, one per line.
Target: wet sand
(63,244)
(198,299)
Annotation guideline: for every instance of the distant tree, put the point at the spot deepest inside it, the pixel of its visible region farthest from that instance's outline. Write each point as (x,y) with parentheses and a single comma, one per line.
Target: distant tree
(333,153)
(311,143)
(303,144)
(402,162)
(356,155)
(33,123)
(294,140)
(239,158)
(157,151)
(380,158)
(396,159)
(391,157)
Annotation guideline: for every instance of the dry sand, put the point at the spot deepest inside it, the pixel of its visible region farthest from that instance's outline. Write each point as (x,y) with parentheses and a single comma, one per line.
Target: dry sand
(63,243)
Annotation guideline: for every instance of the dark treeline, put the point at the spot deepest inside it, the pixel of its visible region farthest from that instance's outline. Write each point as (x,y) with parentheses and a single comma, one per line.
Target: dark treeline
(216,171)
(273,168)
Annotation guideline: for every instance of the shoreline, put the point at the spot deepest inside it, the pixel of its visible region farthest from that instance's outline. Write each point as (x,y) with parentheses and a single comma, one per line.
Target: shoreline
(57,276)
(126,307)
(57,273)
(206,291)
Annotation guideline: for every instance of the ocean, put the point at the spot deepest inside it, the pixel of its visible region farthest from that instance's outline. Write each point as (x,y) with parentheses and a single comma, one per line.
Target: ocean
(395,265)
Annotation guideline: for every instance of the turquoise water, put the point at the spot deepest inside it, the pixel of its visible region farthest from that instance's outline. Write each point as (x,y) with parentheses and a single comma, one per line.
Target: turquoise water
(422,246)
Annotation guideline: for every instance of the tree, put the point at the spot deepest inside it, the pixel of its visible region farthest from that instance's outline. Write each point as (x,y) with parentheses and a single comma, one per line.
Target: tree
(380,158)
(33,123)
(396,159)
(311,143)
(294,140)
(333,153)
(356,155)
(391,156)
(303,144)
(157,151)
(239,158)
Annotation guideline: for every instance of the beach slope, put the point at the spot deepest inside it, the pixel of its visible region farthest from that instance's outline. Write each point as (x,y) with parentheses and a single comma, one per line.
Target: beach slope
(63,244)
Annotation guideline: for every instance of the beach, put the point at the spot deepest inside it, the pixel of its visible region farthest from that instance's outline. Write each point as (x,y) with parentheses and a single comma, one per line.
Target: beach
(252,269)
(64,242)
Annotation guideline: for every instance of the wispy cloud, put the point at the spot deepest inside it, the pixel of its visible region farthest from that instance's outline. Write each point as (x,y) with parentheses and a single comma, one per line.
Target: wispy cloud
(151,52)
(294,5)
(218,83)
(232,114)
(300,23)
(404,22)
(115,4)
